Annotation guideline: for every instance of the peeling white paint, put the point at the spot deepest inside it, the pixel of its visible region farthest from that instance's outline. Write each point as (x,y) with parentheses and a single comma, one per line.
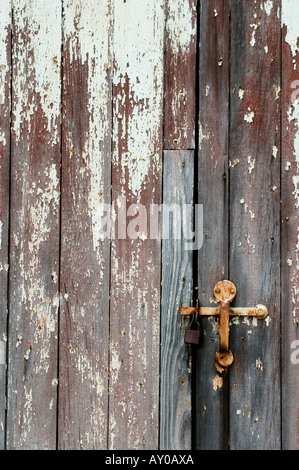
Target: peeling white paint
(254,27)
(45,203)
(248,117)
(277,92)
(5,22)
(274,151)
(139,67)
(290,19)
(181,27)
(267,6)
(38,58)
(293,117)
(241,93)
(89,43)
(251,164)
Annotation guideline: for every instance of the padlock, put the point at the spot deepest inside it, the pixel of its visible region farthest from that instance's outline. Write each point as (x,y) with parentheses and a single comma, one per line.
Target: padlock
(192,333)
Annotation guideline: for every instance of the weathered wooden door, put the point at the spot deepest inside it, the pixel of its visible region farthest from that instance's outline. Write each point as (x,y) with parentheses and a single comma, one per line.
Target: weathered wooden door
(113,111)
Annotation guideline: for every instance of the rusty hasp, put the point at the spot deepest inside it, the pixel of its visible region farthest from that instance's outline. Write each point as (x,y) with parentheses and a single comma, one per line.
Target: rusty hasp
(224,292)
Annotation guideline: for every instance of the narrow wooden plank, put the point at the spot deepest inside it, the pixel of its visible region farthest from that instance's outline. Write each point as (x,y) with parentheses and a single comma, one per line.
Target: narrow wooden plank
(290,223)
(135,263)
(34,236)
(5,107)
(180,73)
(177,290)
(211,389)
(255,222)
(86,182)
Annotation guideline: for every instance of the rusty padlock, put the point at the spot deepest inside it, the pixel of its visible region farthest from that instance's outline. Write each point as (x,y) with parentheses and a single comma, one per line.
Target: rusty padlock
(192,333)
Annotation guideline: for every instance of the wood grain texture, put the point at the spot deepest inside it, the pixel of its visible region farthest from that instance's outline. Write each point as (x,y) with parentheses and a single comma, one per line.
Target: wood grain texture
(255,222)
(290,223)
(135,256)
(210,401)
(5,107)
(180,74)
(177,289)
(34,236)
(85,252)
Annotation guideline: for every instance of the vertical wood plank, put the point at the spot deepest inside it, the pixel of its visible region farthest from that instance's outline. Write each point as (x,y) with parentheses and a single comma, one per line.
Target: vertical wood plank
(135,262)
(255,222)
(211,389)
(180,72)
(5,107)
(86,182)
(290,231)
(34,237)
(177,288)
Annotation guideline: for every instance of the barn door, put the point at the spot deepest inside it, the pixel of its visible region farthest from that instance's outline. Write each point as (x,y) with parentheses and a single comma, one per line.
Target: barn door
(245,173)
(247,167)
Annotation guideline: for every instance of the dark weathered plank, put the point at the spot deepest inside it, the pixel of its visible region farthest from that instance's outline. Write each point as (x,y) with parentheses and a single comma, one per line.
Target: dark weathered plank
(177,288)
(255,222)
(210,389)
(180,72)
(34,236)
(86,181)
(5,106)
(290,223)
(135,262)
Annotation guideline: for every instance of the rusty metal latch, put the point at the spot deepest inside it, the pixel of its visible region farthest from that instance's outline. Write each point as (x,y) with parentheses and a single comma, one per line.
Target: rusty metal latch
(225,292)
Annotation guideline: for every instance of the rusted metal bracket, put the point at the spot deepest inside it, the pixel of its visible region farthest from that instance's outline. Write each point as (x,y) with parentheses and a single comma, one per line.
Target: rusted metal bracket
(225,292)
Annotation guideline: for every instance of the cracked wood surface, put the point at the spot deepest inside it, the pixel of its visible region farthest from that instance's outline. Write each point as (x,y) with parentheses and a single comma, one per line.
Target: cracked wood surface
(135,259)
(180,74)
(5,106)
(34,235)
(85,255)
